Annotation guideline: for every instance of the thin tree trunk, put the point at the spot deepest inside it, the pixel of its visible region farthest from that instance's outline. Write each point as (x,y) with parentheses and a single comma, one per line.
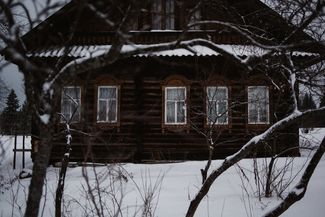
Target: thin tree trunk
(60,188)
(268,178)
(63,171)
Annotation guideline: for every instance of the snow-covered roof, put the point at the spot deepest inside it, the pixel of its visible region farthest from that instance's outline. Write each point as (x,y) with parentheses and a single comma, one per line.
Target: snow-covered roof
(85,51)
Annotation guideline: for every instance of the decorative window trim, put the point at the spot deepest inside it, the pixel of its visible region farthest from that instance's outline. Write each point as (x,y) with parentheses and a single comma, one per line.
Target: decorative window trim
(209,122)
(107,81)
(80,102)
(176,114)
(116,87)
(258,122)
(170,82)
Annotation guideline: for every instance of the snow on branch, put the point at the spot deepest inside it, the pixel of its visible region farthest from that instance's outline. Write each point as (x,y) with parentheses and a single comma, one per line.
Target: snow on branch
(293,118)
(298,192)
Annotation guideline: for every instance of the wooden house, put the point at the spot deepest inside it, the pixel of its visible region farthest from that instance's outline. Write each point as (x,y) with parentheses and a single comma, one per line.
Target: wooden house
(172,104)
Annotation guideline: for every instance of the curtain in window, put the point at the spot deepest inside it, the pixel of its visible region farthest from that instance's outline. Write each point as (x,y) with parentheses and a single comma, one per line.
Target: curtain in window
(175,105)
(258,104)
(156,14)
(195,17)
(71,103)
(170,14)
(217,105)
(107,104)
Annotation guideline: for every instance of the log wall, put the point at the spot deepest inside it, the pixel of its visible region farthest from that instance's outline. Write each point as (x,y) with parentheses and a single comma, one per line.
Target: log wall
(140,136)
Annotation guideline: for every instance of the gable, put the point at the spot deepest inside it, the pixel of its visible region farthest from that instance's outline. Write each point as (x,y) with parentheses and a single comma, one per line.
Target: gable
(77,24)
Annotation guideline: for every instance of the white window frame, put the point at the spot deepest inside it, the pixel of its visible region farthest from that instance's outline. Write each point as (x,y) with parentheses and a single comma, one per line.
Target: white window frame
(195,17)
(107,100)
(163,15)
(258,110)
(157,15)
(185,104)
(208,102)
(71,112)
(169,15)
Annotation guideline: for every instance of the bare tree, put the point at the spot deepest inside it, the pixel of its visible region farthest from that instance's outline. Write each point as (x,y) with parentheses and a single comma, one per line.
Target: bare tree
(43,83)
(300,189)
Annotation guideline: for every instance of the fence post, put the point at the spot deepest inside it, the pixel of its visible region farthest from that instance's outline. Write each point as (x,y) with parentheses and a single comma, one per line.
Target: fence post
(23,151)
(15,148)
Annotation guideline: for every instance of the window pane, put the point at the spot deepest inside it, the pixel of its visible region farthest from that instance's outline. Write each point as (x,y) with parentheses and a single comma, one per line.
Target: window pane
(71,96)
(211,93)
(107,102)
(170,17)
(222,113)
(170,112)
(252,110)
(217,93)
(169,6)
(181,112)
(212,111)
(263,114)
(103,93)
(258,98)
(65,109)
(107,93)
(217,104)
(176,94)
(112,111)
(221,94)
(102,108)
(73,92)
(252,115)
(171,94)
(262,93)
(170,22)
(156,14)
(195,17)
(76,115)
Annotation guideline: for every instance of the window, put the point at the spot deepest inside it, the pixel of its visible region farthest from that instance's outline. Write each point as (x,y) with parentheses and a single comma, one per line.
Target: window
(107,104)
(258,105)
(163,14)
(195,17)
(170,14)
(217,105)
(156,14)
(175,105)
(70,104)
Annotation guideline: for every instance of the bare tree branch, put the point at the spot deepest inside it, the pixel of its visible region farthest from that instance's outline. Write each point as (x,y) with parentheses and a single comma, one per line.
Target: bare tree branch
(298,192)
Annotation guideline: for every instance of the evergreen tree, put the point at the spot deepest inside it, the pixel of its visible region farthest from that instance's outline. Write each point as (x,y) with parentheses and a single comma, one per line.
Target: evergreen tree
(9,115)
(24,119)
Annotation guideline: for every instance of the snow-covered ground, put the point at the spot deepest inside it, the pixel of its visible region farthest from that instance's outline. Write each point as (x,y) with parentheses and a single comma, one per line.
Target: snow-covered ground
(169,187)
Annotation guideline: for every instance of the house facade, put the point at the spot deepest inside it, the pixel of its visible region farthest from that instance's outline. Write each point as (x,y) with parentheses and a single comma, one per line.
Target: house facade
(180,103)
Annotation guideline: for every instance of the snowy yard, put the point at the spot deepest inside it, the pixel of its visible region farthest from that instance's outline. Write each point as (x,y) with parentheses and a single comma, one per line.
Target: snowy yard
(172,187)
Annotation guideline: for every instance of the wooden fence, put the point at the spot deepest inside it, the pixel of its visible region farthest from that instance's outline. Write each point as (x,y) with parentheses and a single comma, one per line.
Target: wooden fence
(23,149)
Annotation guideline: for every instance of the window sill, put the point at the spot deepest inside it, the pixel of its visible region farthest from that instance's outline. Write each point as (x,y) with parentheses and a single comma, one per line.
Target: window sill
(107,125)
(261,126)
(175,127)
(218,126)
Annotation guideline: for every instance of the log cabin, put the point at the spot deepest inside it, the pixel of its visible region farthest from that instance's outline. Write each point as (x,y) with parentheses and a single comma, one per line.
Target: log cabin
(182,103)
